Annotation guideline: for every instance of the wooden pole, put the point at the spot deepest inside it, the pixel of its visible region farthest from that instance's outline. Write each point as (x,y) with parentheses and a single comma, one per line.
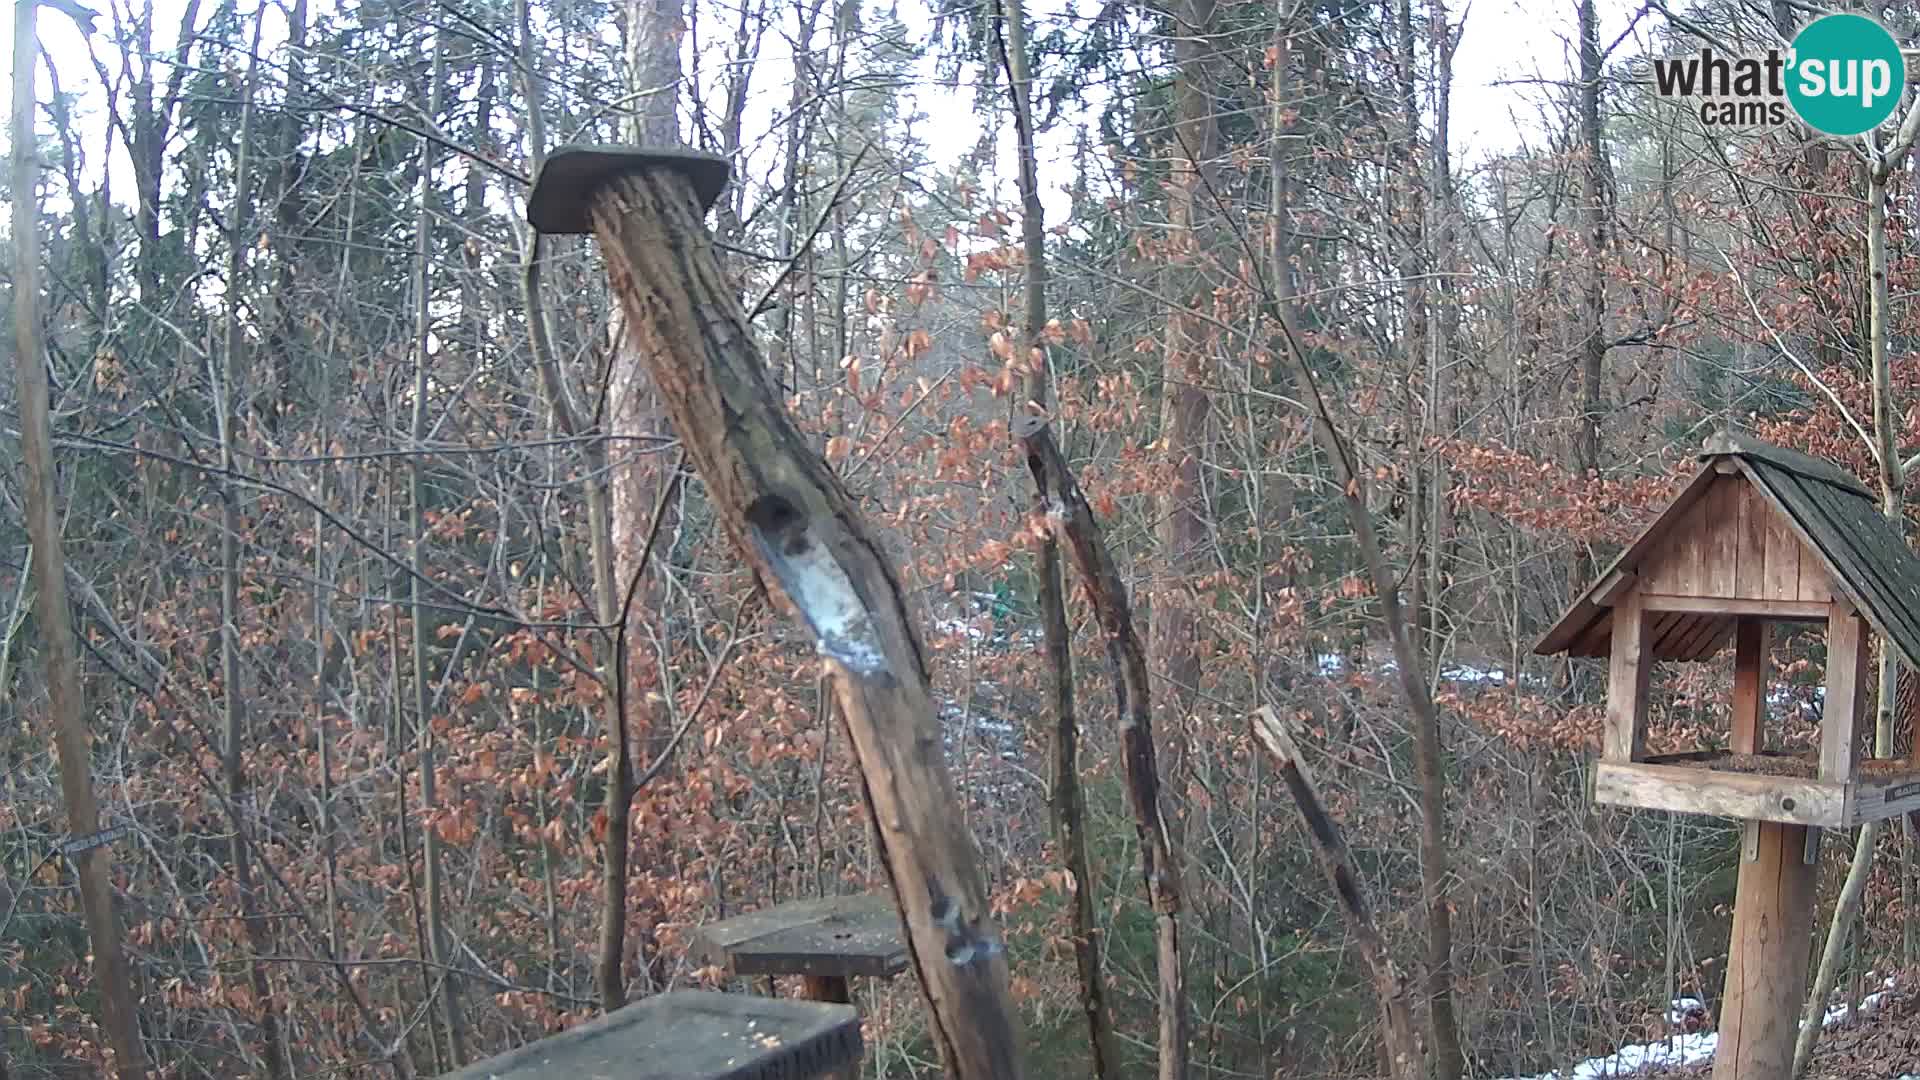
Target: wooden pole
(801,532)
(1767,958)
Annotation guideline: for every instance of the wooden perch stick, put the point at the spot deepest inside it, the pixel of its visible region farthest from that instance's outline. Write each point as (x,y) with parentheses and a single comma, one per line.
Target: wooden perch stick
(1403,1042)
(1072,523)
(793,522)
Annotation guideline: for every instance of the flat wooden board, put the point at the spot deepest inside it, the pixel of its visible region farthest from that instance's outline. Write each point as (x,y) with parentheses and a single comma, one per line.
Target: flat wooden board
(690,1035)
(1693,789)
(834,936)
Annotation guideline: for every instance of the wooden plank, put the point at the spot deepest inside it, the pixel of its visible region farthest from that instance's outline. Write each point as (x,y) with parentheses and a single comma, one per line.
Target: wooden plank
(1753,513)
(1608,591)
(1665,634)
(1625,736)
(1814,584)
(1783,610)
(1720,794)
(1767,957)
(1783,558)
(1749,686)
(1884,797)
(1846,692)
(691,1035)
(1708,634)
(1720,539)
(834,937)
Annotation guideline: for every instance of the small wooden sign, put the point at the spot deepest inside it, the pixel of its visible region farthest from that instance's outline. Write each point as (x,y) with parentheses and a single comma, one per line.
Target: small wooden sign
(100,838)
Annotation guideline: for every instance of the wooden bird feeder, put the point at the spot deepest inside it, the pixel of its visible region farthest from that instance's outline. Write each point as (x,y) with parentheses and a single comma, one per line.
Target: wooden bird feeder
(691,1035)
(1760,535)
(825,942)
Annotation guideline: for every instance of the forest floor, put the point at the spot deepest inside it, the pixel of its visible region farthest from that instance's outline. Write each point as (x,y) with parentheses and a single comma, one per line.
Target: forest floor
(1882,1044)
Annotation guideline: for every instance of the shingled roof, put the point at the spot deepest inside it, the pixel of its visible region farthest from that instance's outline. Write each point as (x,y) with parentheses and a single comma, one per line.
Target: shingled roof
(1833,514)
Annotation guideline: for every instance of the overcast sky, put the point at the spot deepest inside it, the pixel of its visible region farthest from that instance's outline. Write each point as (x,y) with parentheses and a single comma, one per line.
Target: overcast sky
(1510,48)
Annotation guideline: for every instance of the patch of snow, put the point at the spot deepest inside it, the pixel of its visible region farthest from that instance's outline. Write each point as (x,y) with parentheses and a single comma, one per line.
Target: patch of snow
(1331,663)
(1681,1050)
(1467,674)
(960,626)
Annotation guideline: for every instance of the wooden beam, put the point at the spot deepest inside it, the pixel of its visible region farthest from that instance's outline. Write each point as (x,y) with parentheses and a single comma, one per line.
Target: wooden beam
(1715,793)
(1807,610)
(1846,691)
(1749,686)
(1767,958)
(790,519)
(1625,735)
(1608,592)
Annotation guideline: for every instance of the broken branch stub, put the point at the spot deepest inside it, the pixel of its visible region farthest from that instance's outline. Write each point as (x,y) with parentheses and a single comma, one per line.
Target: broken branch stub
(788,515)
(1071,521)
(1389,983)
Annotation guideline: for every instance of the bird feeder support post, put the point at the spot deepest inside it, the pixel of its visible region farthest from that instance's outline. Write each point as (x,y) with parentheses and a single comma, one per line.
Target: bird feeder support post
(794,523)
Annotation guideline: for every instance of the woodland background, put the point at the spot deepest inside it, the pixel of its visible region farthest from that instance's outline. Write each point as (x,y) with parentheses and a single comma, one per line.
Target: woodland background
(291,349)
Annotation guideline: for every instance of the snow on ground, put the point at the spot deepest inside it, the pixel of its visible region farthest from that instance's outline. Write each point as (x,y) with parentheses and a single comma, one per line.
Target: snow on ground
(1691,1049)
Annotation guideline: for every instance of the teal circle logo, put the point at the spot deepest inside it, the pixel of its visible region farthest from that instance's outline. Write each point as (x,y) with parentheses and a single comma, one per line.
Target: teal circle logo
(1845,75)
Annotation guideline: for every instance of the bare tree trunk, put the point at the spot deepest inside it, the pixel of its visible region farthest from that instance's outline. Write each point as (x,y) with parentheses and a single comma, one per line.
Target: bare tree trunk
(1069,809)
(1071,520)
(1593,197)
(1181,523)
(438,937)
(1846,909)
(629,484)
(230,398)
(72,739)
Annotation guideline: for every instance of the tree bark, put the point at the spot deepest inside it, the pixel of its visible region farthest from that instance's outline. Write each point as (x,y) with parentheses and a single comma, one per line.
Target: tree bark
(1069,806)
(229,399)
(1071,520)
(1593,197)
(1181,523)
(438,938)
(800,530)
(72,739)
(1403,1041)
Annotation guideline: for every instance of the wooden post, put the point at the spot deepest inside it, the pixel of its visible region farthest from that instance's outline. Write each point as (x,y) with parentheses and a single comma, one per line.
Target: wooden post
(1846,690)
(1625,734)
(1767,958)
(791,520)
(1749,685)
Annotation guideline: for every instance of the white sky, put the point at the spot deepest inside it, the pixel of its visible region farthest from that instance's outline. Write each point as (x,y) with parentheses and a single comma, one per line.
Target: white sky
(1510,48)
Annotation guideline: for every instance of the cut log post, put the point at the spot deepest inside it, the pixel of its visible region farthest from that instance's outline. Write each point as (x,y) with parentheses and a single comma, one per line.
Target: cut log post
(1071,520)
(1406,1060)
(791,519)
(1767,958)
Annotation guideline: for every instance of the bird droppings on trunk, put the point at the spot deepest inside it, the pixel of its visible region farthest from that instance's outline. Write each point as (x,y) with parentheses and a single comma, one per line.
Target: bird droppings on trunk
(811,577)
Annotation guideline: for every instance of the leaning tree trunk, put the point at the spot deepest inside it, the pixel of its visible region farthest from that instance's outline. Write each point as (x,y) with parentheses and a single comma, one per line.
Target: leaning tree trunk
(794,523)
(72,740)
(1069,805)
(1070,519)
